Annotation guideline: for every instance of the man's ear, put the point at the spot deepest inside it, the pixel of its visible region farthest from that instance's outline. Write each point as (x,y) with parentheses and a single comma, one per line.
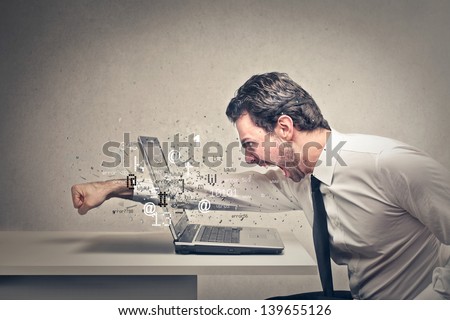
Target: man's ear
(285,127)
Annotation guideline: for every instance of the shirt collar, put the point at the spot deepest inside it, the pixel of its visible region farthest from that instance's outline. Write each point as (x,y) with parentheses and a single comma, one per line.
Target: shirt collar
(324,168)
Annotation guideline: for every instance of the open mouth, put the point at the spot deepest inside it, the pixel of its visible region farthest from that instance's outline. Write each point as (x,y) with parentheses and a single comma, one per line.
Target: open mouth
(286,173)
(265,164)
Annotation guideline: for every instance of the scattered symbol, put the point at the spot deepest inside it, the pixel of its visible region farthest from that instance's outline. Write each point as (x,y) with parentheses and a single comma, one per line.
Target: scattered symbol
(131,181)
(204,205)
(166,221)
(212,179)
(130,145)
(201,187)
(149,209)
(197,140)
(167,217)
(188,165)
(174,156)
(137,166)
(162,199)
(182,186)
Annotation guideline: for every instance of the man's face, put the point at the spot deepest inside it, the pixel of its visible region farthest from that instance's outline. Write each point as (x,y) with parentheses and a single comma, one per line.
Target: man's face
(267,149)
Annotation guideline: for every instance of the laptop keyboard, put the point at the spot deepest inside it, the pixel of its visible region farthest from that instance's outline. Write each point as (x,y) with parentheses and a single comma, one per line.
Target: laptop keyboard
(219,234)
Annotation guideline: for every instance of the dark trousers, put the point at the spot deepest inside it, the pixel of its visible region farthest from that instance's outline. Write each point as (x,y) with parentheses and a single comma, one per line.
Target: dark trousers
(338,295)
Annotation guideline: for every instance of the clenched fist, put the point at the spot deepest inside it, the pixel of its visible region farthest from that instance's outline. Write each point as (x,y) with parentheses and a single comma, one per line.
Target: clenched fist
(90,195)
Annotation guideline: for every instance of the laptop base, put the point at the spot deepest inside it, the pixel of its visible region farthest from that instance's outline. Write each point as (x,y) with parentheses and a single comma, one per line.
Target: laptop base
(199,249)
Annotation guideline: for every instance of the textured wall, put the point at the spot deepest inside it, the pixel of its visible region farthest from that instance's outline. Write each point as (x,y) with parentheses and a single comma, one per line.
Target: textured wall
(76,74)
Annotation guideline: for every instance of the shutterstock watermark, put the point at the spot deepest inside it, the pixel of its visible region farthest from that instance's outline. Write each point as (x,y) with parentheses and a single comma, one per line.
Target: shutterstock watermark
(212,153)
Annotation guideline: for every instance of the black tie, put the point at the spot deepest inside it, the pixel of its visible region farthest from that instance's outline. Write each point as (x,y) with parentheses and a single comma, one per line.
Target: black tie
(321,238)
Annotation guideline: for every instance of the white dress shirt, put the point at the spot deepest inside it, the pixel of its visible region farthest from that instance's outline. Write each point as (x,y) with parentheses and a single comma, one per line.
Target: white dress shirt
(388,207)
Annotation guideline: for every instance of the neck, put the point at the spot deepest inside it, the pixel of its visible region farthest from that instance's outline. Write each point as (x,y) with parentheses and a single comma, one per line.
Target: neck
(309,144)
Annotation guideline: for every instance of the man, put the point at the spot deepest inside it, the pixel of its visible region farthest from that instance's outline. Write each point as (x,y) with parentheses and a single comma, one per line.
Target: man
(386,204)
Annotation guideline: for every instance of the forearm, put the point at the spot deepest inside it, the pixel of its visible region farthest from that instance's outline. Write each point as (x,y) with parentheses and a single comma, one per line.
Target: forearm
(439,288)
(249,191)
(117,189)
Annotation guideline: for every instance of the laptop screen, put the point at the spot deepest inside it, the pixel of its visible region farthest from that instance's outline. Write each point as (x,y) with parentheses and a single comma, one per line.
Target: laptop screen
(179,220)
(155,160)
(160,175)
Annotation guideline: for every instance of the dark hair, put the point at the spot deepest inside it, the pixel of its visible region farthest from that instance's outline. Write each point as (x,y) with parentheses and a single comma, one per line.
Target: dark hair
(267,96)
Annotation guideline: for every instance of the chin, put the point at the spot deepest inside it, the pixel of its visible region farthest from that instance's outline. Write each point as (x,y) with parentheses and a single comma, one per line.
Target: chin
(296,178)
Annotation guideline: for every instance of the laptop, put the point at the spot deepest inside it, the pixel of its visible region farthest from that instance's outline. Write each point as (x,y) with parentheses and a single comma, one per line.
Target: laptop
(207,239)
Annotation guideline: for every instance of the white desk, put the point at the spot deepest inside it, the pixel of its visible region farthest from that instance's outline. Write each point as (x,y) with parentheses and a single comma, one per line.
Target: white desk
(116,265)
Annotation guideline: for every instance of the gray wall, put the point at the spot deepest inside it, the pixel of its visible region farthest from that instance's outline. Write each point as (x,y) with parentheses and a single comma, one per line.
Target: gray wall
(76,74)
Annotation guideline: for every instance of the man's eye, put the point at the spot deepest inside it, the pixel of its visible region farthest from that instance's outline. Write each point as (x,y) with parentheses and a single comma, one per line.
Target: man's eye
(250,145)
